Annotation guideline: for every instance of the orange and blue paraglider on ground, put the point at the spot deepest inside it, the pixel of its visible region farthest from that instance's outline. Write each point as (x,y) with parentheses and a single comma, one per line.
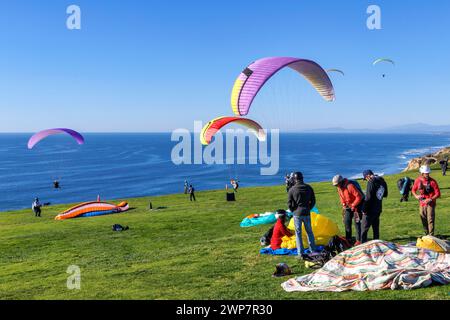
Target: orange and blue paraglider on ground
(91,209)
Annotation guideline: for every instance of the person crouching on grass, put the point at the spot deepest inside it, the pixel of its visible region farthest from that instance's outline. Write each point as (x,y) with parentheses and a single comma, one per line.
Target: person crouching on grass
(428,193)
(280,230)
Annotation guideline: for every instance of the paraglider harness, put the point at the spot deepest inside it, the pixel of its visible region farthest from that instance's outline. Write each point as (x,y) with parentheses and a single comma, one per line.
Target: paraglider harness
(118,227)
(426,188)
(335,246)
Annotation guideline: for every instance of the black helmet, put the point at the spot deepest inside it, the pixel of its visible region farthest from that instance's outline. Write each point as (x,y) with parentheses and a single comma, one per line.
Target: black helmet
(298,176)
(280,214)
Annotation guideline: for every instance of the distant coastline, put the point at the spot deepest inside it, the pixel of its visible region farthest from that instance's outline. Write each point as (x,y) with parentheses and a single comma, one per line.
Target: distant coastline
(430,158)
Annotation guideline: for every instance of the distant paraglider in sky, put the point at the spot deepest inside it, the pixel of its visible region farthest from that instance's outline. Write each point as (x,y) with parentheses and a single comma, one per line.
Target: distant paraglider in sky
(253,78)
(42,135)
(336,70)
(383,60)
(213,126)
(377,61)
(36,138)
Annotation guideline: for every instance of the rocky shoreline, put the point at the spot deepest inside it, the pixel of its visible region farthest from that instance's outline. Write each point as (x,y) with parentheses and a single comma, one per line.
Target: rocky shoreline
(430,159)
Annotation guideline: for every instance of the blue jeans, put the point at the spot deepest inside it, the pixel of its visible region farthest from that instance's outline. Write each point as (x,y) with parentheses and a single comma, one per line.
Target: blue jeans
(306,220)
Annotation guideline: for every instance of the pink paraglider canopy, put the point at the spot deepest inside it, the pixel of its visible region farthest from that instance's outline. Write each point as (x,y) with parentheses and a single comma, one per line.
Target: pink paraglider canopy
(36,138)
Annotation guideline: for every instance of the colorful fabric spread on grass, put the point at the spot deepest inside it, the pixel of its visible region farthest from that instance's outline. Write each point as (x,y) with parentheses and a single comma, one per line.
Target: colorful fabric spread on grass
(377,265)
(264,218)
(91,209)
(324,230)
(286,252)
(278,252)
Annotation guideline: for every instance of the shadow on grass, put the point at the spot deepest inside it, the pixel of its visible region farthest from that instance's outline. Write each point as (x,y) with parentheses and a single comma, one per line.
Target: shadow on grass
(157,209)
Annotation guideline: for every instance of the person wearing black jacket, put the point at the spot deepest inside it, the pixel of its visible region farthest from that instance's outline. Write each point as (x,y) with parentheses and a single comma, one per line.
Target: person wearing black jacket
(444,166)
(373,204)
(301,199)
(191,193)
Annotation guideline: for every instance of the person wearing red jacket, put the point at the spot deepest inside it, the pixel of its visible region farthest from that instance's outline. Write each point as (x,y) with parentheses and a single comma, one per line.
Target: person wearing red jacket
(428,193)
(351,199)
(279,230)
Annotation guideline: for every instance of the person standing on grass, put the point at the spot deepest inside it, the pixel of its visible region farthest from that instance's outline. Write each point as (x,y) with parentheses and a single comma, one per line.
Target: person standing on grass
(191,193)
(444,166)
(373,205)
(186,187)
(352,200)
(301,199)
(36,207)
(429,192)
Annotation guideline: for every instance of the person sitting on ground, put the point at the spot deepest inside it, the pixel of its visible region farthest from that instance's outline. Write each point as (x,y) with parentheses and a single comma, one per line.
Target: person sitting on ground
(36,207)
(280,230)
(429,192)
(301,199)
(352,199)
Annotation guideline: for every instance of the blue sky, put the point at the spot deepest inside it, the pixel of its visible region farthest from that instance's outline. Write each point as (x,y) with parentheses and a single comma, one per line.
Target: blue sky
(144,66)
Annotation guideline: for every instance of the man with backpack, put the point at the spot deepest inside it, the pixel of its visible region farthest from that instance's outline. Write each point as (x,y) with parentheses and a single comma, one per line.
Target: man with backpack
(301,199)
(373,204)
(404,186)
(351,196)
(429,192)
(444,166)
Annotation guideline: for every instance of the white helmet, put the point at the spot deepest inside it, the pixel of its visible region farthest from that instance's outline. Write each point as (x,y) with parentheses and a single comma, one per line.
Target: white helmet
(425,169)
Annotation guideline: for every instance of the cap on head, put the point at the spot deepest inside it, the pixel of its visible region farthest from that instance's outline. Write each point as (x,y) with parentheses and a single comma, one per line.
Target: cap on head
(337,180)
(367,173)
(425,169)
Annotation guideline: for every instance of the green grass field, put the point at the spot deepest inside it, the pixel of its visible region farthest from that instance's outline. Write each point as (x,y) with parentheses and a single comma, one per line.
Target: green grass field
(187,251)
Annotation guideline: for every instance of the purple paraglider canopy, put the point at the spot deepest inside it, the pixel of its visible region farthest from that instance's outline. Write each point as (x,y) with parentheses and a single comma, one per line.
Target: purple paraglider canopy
(253,78)
(36,138)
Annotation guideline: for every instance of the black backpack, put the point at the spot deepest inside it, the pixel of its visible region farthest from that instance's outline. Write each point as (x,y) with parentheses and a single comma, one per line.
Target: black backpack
(267,237)
(118,227)
(337,245)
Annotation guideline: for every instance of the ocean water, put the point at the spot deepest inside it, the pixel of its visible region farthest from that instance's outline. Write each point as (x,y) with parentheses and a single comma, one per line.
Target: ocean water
(133,165)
